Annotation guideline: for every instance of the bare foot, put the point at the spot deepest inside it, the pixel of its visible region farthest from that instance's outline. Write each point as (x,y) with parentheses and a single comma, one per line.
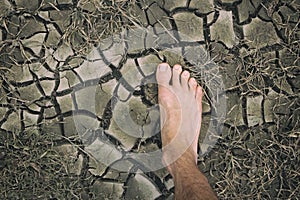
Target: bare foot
(180,99)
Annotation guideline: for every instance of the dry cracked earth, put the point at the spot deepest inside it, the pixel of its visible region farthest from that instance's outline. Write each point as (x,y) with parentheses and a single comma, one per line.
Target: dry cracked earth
(78,101)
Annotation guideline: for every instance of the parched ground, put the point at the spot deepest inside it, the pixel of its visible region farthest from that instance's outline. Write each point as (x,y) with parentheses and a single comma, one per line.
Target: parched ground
(78,96)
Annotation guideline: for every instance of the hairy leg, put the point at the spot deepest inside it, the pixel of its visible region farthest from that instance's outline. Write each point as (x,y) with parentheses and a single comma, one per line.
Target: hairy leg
(180,99)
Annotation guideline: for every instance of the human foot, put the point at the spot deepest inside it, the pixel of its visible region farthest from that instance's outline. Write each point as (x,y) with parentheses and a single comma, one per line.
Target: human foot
(180,100)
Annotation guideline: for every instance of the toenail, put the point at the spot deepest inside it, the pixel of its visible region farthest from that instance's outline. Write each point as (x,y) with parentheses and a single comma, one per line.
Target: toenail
(177,67)
(193,81)
(163,67)
(185,73)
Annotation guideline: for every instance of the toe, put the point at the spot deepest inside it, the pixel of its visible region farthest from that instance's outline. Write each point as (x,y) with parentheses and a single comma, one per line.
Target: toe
(163,74)
(184,79)
(199,94)
(176,75)
(193,85)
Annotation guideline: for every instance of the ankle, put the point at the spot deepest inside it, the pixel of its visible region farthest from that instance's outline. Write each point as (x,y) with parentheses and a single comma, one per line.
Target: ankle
(186,161)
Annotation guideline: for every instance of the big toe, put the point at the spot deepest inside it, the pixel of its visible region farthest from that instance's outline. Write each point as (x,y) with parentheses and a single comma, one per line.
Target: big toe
(163,74)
